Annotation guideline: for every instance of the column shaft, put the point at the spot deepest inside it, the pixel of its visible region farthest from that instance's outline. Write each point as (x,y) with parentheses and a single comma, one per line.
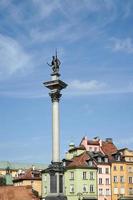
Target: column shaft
(55,132)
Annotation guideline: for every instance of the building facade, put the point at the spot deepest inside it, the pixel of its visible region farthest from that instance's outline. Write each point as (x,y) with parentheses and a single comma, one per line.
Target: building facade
(81,178)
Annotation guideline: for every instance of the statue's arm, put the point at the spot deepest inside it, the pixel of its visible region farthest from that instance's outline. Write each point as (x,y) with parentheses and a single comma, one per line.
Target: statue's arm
(49,64)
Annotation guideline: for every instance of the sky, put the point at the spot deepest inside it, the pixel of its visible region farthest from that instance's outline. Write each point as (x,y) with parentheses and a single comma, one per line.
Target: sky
(94,40)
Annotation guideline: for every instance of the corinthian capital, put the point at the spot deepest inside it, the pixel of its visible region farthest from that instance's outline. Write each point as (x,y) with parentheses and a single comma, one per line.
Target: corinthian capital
(55,96)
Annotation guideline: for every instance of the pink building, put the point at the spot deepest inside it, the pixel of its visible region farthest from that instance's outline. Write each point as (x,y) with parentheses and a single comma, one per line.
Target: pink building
(101,151)
(106,147)
(103,175)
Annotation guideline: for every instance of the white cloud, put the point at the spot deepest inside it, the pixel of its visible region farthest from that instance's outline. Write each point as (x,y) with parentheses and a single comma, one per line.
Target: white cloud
(94,87)
(13,58)
(45,8)
(91,86)
(123,45)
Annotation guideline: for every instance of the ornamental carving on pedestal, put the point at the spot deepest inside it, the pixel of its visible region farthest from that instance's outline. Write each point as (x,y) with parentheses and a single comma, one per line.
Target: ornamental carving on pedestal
(55,96)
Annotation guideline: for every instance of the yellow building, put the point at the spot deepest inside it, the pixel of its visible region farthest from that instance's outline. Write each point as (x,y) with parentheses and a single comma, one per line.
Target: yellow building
(127,156)
(118,179)
(122,175)
(30,177)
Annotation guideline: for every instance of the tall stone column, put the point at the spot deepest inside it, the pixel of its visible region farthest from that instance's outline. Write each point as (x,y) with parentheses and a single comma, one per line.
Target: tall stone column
(55,97)
(55,171)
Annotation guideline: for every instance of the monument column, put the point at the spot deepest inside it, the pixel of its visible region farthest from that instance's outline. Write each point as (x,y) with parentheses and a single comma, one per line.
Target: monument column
(55,98)
(53,175)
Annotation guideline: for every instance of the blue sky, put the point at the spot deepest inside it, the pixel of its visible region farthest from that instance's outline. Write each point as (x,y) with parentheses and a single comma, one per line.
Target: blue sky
(94,39)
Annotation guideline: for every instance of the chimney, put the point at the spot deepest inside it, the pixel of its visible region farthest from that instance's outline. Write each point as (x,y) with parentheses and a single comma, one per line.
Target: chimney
(109,140)
(100,143)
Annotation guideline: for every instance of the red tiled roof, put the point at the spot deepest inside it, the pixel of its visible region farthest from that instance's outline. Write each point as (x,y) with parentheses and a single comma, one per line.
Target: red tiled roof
(79,161)
(17,193)
(29,174)
(108,148)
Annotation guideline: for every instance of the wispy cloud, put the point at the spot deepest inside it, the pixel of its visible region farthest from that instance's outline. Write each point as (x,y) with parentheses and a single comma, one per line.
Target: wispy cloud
(128,7)
(94,87)
(122,45)
(13,57)
(75,88)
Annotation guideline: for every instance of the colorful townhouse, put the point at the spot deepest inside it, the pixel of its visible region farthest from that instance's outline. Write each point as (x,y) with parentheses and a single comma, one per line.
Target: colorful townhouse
(16,168)
(106,147)
(103,175)
(118,176)
(127,156)
(30,177)
(81,178)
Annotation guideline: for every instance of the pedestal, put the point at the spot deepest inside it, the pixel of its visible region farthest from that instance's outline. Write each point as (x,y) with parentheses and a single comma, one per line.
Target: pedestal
(54,174)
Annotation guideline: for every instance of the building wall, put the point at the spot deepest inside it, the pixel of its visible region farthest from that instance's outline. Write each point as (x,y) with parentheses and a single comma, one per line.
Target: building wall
(13,172)
(104,182)
(129,174)
(90,147)
(71,154)
(36,184)
(119,187)
(78,183)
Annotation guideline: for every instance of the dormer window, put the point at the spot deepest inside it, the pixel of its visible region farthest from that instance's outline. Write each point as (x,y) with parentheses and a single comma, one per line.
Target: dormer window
(90,163)
(99,159)
(117,157)
(105,160)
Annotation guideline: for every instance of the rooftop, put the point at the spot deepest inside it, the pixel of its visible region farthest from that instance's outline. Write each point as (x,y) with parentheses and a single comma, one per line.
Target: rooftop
(17,193)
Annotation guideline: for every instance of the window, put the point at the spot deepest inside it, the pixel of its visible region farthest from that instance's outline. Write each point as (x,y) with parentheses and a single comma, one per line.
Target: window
(90,148)
(129,169)
(115,179)
(107,181)
(95,149)
(99,159)
(107,170)
(100,191)
(91,175)
(84,176)
(91,188)
(72,175)
(115,168)
(115,190)
(130,191)
(84,188)
(45,178)
(100,181)
(130,179)
(121,168)
(122,190)
(107,192)
(90,163)
(122,179)
(105,160)
(118,158)
(100,170)
(72,188)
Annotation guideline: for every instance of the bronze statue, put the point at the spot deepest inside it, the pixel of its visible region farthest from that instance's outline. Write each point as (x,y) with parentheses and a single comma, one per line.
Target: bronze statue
(55,63)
